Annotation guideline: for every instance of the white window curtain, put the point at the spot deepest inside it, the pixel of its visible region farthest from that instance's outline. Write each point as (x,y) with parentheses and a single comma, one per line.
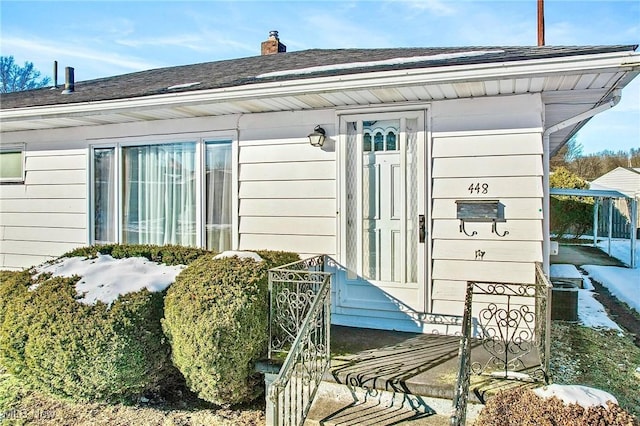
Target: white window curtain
(159,194)
(218,196)
(104,195)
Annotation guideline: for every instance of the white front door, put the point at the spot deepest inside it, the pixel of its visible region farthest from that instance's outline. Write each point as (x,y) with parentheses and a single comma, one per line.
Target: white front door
(383,212)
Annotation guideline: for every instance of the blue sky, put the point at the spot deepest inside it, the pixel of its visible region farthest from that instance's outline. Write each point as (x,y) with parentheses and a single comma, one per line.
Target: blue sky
(104,38)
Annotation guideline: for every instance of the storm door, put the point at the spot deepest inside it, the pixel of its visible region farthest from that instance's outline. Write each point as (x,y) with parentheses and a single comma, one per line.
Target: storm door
(383,212)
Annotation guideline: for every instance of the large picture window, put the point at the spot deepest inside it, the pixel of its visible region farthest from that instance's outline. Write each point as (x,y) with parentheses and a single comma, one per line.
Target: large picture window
(167,193)
(159,193)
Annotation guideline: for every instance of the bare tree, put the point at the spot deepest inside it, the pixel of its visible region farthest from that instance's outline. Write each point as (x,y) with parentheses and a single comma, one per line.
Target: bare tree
(592,166)
(569,153)
(14,78)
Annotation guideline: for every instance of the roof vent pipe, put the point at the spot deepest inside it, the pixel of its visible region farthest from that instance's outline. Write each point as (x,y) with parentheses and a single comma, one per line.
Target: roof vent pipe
(55,74)
(69,82)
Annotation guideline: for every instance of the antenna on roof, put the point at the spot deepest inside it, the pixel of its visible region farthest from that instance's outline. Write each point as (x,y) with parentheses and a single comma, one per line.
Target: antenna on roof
(55,75)
(540,22)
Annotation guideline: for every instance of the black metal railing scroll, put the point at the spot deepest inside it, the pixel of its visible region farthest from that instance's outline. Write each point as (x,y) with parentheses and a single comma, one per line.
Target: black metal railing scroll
(300,320)
(513,321)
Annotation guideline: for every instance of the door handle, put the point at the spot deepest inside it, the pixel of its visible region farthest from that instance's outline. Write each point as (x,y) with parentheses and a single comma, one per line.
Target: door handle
(422,230)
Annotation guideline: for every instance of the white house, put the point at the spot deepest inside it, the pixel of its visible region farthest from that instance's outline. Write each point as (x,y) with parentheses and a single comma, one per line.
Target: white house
(622,179)
(434,170)
(625,180)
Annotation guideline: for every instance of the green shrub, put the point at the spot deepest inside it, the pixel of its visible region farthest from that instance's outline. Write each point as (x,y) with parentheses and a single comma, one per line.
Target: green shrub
(85,352)
(274,259)
(169,254)
(13,326)
(7,287)
(569,215)
(216,321)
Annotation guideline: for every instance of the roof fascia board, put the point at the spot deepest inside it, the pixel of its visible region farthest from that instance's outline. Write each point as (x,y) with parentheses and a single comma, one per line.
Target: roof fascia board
(625,61)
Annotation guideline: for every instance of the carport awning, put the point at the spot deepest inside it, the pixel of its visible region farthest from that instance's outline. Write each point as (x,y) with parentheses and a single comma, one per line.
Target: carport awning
(602,193)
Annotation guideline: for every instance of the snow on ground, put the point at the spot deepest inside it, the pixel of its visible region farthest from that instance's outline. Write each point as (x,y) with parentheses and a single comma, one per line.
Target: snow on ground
(564,271)
(621,249)
(623,283)
(240,254)
(576,394)
(105,278)
(591,313)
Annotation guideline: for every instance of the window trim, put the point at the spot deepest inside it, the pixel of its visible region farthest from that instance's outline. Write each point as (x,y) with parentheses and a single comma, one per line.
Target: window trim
(15,147)
(200,140)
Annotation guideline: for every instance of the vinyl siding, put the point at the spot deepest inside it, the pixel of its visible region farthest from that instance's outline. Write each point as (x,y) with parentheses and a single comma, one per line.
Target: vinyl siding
(620,179)
(47,215)
(498,144)
(287,196)
(287,188)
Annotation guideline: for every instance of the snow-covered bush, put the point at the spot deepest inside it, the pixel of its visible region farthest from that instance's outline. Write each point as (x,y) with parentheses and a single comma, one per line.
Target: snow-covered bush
(216,321)
(168,255)
(74,338)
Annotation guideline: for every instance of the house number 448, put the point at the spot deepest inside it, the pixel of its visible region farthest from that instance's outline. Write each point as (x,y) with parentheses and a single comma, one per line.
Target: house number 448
(479,188)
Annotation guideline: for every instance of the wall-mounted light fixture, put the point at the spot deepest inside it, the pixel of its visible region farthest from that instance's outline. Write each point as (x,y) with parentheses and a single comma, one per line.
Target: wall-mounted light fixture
(317,137)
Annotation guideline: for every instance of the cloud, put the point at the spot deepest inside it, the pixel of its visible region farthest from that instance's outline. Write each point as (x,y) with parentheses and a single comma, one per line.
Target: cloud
(89,61)
(435,7)
(206,41)
(338,32)
(117,26)
(487,27)
(187,41)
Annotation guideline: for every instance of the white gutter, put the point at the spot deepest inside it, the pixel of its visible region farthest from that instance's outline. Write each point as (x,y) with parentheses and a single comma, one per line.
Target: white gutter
(618,61)
(546,244)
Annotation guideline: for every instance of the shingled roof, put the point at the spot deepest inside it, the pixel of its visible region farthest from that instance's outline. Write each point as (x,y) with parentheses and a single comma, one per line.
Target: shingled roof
(286,66)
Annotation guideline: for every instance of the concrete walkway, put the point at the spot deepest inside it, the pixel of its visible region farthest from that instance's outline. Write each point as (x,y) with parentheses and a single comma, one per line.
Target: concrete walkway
(583,255)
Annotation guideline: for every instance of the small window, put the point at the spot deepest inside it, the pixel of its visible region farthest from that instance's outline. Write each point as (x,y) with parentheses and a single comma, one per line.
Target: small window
(366,142)
(391,142)
(218,189)
(378,142)
(104,195)
(12,163)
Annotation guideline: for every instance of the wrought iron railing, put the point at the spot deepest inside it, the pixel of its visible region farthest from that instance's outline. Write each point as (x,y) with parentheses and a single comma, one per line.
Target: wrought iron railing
(299,326)
(509,327)
(461,392)
(543,318)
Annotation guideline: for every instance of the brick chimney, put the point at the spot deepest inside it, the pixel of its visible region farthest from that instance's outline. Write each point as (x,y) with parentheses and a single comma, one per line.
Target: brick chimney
(272,45)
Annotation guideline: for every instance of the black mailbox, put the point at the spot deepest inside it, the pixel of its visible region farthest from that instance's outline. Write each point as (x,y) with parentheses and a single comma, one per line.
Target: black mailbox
(480,211)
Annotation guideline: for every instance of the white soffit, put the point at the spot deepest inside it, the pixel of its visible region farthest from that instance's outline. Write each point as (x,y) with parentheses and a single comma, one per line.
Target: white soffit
(569,86)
